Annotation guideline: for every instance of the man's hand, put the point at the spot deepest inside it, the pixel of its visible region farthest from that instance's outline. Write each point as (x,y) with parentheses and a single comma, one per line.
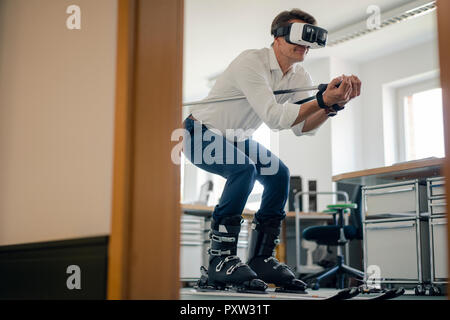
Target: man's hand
(349,88)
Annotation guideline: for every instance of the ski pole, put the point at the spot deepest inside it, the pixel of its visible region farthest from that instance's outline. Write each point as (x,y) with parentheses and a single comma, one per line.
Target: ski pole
(320,87)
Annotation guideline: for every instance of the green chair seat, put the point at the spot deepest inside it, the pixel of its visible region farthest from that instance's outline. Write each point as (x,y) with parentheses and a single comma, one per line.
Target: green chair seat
(342,206)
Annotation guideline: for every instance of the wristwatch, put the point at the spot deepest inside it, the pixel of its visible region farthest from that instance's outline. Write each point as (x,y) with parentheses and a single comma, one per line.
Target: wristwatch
(332,110)
(320,102)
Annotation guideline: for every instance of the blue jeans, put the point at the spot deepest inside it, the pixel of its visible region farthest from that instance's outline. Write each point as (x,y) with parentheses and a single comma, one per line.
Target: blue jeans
(241,163)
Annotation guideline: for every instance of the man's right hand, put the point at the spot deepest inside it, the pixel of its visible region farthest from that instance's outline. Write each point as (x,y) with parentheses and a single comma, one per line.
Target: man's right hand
(339,95)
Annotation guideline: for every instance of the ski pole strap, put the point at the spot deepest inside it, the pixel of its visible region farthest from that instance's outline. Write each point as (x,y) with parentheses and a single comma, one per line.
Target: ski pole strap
(319,96)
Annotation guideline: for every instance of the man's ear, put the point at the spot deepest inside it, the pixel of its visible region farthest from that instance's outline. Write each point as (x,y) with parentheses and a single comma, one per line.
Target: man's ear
(278,40)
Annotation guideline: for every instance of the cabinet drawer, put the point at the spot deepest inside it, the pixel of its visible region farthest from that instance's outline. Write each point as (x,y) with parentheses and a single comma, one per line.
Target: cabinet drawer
(436,187)
(439,243)
(392,247)
(398,200)
(192,223)
(191,258)
(438,206)
(192,235)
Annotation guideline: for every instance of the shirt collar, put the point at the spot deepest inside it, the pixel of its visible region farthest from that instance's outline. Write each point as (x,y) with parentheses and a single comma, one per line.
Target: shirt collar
(274,65)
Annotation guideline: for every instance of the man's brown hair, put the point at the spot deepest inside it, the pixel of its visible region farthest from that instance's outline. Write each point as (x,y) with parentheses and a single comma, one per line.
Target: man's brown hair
(282,20)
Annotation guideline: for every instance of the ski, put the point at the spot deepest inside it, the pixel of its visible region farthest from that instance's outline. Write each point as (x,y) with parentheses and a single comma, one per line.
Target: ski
(386,294)
(344,294)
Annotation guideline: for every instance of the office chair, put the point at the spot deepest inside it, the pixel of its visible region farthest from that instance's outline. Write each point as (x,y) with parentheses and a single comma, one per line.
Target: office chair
(334,235)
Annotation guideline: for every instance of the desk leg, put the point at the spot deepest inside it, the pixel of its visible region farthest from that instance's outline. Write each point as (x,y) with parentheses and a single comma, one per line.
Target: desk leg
(297,243)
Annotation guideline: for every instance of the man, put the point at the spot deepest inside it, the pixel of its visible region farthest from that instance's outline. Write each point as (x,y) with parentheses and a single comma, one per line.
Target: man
(241,160)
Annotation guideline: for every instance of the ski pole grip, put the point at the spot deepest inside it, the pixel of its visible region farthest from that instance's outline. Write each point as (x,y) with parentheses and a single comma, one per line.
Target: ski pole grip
(323,86)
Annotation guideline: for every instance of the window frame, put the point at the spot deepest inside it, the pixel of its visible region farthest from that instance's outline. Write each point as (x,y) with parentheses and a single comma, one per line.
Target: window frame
(401,93)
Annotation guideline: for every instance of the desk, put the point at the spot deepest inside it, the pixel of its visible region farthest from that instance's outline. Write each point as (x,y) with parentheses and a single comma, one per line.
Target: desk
(206,211)
(420,169)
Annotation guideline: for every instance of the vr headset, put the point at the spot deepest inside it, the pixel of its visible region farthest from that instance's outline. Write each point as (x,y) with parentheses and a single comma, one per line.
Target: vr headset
(303,34)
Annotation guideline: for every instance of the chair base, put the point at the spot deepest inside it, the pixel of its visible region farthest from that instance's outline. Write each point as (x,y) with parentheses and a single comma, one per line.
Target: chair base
(340,270)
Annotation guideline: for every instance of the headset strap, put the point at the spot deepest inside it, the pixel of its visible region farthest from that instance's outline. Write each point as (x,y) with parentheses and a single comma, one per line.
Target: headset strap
(282,31)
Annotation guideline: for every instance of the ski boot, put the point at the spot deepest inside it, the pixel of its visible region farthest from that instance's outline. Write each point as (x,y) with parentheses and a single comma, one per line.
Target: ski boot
(263,240)
(226,271)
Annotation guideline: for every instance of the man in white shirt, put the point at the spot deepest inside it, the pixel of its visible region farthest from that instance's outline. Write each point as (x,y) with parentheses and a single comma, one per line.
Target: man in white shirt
(219,141)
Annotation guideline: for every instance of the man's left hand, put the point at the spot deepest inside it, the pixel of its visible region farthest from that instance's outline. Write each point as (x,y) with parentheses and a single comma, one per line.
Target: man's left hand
(355,89)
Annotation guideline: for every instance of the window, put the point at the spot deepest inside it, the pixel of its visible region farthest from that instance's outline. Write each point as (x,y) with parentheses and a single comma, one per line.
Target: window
(421,130)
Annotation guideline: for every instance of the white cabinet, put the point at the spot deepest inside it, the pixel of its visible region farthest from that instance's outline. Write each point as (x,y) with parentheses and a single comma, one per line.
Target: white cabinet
(192,239)
(396,239)
(437,230)
(393,248)
(439,247)
(399,199)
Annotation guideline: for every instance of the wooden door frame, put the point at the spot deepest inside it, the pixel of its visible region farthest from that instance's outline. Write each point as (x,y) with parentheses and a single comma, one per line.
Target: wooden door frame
(143,254)
(443,9)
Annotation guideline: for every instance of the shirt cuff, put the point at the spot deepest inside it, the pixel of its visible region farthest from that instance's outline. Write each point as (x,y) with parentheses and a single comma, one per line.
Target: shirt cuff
(310,133)
(297,129)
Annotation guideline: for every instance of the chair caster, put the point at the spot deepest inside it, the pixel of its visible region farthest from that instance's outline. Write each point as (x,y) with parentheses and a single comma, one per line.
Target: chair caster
(419,290)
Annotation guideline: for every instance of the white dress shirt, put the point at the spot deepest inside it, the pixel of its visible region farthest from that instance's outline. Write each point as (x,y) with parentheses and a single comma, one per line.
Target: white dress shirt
(255,74)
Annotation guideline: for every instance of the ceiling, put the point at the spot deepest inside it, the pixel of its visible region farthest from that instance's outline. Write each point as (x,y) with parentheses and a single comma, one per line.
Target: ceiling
(216,32)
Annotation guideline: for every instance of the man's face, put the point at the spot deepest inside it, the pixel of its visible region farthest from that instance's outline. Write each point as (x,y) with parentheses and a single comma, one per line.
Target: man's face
(293,52)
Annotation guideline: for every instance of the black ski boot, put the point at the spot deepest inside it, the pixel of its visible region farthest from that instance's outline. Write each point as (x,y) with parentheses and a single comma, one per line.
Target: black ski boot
(226,271)
(263,240)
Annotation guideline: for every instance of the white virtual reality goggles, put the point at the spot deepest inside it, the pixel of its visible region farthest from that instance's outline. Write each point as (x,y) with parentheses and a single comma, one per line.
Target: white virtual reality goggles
(303,34)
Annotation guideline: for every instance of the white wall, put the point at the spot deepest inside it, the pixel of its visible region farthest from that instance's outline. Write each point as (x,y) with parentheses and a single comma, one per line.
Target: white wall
(346,128)
(56,120)
(337,146)
(360,137)
(310,156)
(377,138)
